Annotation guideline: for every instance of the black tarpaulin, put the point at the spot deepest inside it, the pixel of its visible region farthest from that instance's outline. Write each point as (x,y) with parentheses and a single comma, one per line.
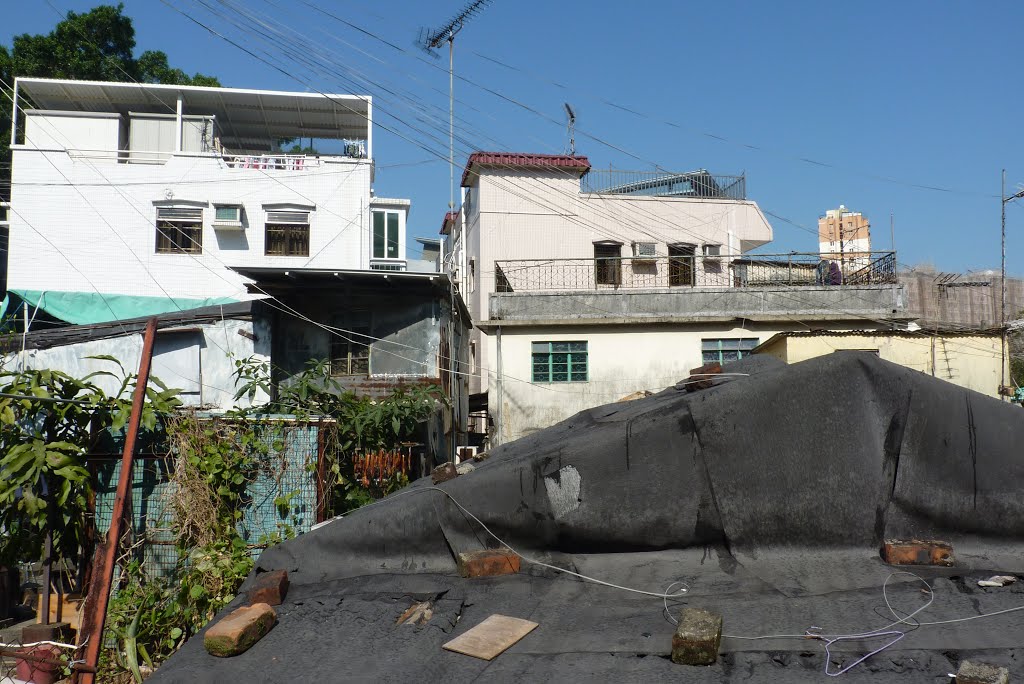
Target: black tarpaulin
(768,494)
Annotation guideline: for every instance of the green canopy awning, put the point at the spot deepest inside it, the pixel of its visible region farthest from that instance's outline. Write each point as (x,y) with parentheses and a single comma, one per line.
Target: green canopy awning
(84,308)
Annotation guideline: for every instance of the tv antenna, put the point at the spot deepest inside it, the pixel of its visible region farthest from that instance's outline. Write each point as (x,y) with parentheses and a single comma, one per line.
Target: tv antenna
(433,39)
(571,127)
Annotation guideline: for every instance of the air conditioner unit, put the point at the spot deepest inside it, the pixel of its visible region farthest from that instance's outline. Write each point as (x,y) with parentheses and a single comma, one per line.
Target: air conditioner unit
(712,250)
(465,453)
(645,250)
(227,216)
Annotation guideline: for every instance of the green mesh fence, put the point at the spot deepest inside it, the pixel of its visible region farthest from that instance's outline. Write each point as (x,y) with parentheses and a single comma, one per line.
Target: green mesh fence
(281,494)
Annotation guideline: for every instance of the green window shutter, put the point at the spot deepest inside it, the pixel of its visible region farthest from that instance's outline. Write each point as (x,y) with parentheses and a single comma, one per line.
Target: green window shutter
(378,235)
(392,250)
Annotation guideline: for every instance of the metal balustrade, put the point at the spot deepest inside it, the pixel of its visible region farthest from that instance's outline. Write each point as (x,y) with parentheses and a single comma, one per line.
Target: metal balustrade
(724,271)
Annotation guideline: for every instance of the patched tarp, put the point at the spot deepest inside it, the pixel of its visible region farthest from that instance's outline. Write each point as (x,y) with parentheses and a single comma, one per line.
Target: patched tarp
(85,308)
(768,494)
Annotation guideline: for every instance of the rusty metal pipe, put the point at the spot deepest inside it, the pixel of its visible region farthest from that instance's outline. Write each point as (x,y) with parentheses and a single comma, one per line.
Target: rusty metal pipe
(99,591)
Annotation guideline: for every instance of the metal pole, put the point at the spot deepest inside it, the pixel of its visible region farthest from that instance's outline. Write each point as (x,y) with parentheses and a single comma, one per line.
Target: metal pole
(91,633)
(452,122)
(1002,293)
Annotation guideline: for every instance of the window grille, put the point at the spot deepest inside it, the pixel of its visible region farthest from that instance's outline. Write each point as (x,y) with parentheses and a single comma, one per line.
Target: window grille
(560,362)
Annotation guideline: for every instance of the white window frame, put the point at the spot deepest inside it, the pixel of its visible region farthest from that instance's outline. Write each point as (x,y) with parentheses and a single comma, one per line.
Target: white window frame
(228,223)
(400,242)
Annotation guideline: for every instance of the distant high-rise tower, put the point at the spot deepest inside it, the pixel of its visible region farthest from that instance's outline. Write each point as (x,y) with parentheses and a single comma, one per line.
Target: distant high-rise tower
(844,235)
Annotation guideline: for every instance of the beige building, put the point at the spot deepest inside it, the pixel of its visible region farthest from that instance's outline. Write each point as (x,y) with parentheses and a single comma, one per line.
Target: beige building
(586,286)
(845,236)
(970,359)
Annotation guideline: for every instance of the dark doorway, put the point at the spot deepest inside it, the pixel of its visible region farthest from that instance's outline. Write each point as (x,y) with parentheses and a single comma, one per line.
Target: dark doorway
(680,265)
(608,263)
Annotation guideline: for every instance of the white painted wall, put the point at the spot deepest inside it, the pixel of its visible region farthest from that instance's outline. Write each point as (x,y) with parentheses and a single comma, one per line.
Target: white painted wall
(622,360)
(522,214)
(82,224)
(212,364)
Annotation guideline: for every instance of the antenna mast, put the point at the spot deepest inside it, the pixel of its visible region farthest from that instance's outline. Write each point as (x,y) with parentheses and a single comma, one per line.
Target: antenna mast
(431,40)
(572,128)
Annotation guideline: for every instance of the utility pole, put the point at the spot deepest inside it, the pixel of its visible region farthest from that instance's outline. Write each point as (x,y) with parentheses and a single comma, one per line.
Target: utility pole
(1003,201)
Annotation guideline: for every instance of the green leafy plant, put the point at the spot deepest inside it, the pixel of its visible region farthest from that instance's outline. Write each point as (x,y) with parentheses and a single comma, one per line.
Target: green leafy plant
(47,422)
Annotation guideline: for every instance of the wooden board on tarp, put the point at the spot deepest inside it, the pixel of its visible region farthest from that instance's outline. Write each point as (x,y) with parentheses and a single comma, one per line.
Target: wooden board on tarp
(491,637)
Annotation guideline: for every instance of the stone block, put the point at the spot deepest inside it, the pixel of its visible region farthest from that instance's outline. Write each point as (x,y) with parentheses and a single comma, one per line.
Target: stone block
(917,552)
(237,631)
(443,473)
(697,638)
(269,588)
(972,672)
(488,563)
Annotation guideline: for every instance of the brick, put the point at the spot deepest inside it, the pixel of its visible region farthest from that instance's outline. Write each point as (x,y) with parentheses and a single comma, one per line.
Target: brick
(488,563)
(917,552)
(269,588)
(697,638)
(443,473)
(972,672)
(237,631)
(699,377)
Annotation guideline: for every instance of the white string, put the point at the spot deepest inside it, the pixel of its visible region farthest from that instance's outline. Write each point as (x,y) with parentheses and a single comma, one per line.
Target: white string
(829,639)
(44,643)
(665,596)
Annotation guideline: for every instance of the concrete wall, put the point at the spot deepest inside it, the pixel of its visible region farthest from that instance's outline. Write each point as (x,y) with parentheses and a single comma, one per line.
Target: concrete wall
(969,361)
(621,360)
(407,329)
(869,303)
(202,361)
(100,233)
(968,299)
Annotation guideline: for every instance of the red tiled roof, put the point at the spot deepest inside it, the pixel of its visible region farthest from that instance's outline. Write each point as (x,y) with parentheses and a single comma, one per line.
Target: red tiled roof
(524,160)
(449,217)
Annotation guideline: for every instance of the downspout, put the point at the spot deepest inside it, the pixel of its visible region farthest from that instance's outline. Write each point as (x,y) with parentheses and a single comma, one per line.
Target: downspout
(498,413)
(177,127)
(14,115)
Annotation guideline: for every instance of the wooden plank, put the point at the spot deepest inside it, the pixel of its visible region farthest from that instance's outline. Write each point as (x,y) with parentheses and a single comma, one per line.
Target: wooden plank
(491,637)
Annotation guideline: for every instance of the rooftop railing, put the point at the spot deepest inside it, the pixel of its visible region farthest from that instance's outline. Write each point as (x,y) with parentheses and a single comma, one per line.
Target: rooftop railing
(700,184)
(684,270)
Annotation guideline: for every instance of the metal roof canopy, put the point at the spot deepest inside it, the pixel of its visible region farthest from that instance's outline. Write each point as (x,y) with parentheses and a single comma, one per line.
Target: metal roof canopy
(242,115)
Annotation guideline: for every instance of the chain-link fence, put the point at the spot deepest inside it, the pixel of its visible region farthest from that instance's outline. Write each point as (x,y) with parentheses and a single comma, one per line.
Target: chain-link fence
(281,496)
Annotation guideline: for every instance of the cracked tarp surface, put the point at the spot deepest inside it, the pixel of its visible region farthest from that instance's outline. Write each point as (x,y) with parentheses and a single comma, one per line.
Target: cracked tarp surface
(769,495)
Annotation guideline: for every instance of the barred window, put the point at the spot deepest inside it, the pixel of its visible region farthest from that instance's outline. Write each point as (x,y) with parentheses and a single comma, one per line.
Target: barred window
(560,362)
(179,230)
(287,233)
(726,350)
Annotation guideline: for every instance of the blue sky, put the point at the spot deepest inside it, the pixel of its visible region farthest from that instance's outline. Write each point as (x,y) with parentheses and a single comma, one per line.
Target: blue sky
(819,103)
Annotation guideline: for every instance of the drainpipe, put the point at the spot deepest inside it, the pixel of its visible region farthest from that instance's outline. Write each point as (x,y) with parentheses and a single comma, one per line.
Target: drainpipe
(177,127)
(498,417)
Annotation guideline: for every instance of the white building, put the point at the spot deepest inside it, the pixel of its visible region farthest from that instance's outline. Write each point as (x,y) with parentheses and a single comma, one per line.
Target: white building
(587,286)
(158,190)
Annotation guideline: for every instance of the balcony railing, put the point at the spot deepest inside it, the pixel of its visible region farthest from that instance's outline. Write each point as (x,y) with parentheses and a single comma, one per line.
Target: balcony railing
(662,271)
(700,184)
